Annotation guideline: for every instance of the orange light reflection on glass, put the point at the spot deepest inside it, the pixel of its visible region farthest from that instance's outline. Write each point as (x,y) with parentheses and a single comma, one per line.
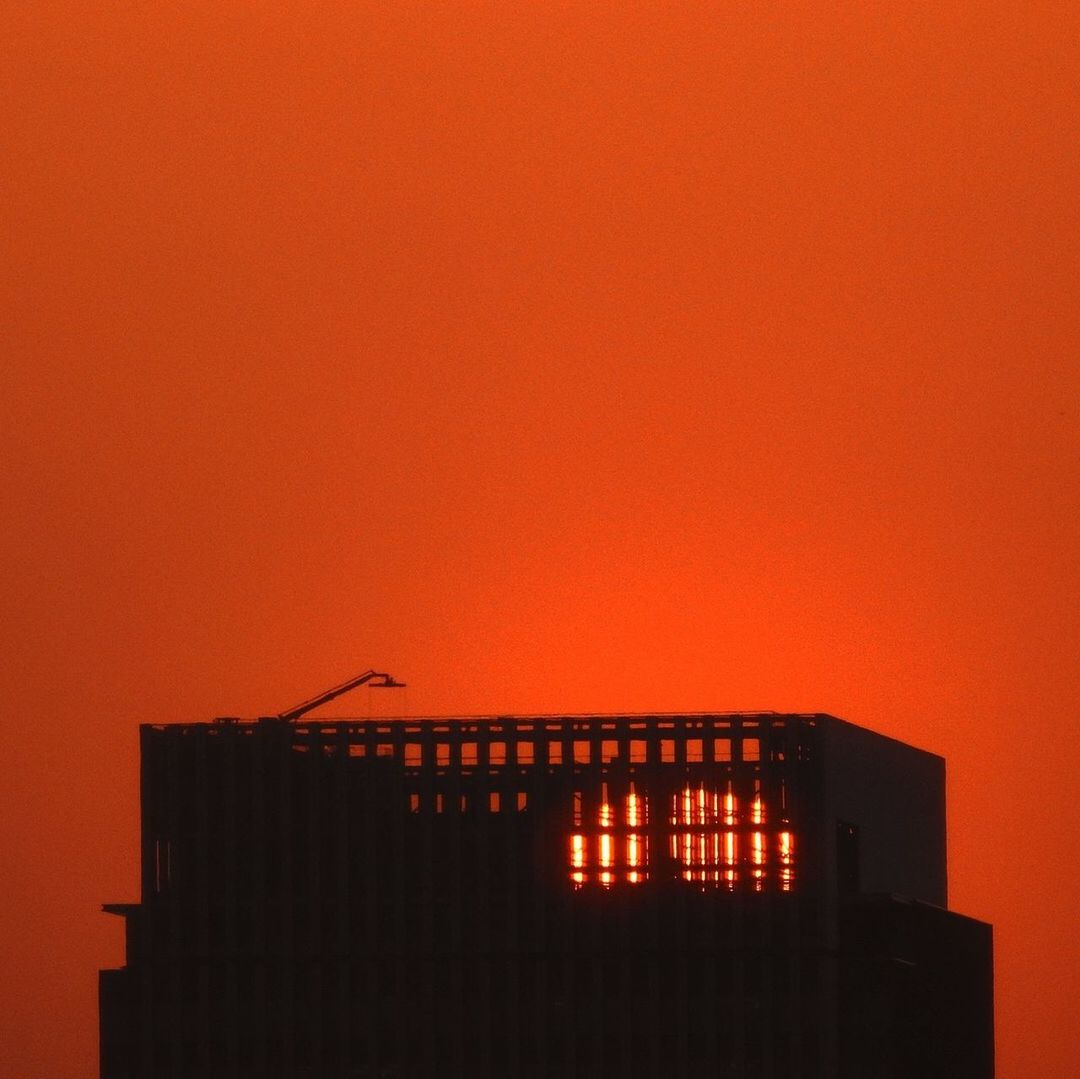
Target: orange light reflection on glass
(605,858)
(609,844)
(577,858)
(606,876)
(758,855)
(703,841)
(787,861)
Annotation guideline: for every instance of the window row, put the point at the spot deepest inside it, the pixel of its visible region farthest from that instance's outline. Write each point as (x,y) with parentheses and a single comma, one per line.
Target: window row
(579,751)
(720,859)
(703,845)
(494,802)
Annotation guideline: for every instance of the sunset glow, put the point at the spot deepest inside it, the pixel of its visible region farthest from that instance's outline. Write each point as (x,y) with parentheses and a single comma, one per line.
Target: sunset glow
(579,357)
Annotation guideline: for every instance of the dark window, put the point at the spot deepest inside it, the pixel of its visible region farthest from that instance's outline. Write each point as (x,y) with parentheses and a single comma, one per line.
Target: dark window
(847,858)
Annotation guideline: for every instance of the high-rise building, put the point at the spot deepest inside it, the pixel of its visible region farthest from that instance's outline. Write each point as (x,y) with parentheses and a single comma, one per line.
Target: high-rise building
(752,895)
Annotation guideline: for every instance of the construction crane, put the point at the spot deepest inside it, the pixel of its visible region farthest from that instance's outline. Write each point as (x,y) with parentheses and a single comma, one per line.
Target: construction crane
(374,679)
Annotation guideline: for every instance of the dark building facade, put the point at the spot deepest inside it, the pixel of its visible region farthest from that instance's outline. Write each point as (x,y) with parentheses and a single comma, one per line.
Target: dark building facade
(740,896)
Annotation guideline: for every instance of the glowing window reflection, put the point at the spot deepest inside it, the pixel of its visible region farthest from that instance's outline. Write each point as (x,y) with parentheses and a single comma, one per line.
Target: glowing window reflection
(618,851)
(712,838)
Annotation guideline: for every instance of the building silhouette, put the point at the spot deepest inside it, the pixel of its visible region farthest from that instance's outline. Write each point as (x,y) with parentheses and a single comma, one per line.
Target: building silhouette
(746,896)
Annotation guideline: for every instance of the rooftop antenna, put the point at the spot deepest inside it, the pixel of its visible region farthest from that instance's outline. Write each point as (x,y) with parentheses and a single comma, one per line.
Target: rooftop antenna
(374,679)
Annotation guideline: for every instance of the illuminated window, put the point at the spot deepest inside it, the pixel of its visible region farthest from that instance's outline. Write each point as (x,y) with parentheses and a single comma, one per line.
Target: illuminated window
(442,754)
(667,750)
(757,845)
(581,752)
(414,803)
(577,859)
(413,751)
(524,752)
(522,800)
(637,843)
(615,847)
(384,749)
(438,803)
(609,751)
(731,851)
(554,752)
(716,839)
(721,749)
(787,861)
(693,750)
(694,849)
(757,806)
(751,749)
(638,750)
(468,753)
(606,846)
(494,802)
(497,753)
(357,750)
(705,839)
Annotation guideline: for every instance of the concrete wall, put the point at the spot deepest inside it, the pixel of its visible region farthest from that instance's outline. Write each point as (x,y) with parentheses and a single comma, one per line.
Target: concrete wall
(895,795)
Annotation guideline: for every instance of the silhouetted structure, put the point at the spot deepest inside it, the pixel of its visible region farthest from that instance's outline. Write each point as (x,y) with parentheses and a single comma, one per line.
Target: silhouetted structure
(618,896)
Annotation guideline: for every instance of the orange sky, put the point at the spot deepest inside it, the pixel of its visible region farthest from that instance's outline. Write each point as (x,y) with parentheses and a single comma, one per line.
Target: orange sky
(569,356)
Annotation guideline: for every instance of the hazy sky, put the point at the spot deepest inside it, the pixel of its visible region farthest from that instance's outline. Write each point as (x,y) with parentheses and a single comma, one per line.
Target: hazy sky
(561,356)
